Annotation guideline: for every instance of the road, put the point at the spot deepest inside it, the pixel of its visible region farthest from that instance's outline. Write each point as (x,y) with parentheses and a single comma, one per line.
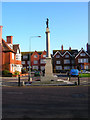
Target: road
(45,102)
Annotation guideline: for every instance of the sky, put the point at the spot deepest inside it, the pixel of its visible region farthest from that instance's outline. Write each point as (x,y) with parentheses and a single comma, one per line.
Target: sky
(68,24)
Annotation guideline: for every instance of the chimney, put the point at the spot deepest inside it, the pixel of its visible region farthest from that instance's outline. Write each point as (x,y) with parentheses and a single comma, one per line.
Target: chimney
(62,47)
(9,39)
(1,34)
(69,48)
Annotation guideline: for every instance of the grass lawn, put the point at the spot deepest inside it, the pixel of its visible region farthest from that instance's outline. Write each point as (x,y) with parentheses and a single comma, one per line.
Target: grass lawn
(84,75)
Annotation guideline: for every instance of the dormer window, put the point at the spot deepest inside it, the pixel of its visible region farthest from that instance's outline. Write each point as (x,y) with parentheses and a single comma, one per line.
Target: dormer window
(57,56)
(35,56)
(82,54)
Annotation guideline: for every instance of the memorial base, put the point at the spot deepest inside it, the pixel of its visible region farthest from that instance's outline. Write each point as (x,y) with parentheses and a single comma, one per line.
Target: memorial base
(48,71)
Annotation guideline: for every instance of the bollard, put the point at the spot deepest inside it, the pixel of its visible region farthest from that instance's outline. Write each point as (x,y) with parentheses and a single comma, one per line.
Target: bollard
(75,83)
(69,77)
(23,83)
(78,80)
(18,80)
(29,78)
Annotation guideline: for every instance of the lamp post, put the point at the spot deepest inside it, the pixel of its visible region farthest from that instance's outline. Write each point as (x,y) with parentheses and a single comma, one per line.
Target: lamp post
(30,79)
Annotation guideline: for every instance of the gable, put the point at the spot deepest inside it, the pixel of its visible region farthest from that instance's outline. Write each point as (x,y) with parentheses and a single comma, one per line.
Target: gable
(82,51)
(66,53)
(57,53)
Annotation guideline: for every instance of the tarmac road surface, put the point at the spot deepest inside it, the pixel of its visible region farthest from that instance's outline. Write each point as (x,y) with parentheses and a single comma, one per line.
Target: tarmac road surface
(45,102)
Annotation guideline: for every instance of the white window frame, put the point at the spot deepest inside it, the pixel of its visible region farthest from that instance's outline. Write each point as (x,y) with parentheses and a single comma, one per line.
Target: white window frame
(35,61)
(35,67)
(28,62)
(18,57)
(66,61)
(58,67)
(12,56)
(44,55)
(83,60)
(43,61)
(82,54)
(23,62)
(86,67)
(25,57)
(58,62)
(66,67)
(35,56)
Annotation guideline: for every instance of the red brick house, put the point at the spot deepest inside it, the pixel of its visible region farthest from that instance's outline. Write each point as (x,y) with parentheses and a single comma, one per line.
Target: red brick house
(11,56)
(37,60)
(67,59)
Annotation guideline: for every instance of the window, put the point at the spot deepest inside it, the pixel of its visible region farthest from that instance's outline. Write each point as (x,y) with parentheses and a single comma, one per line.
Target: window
(13,56)
(58,67)
(57,62)
(35,62)
(44,55)
(66,56)
(35,56)
(86,66)
(82,54)
(23,62)
(43,61)
(66,67)
(66,61)
(35,67)
(83,60)
(25,57)
(18,56)
(28,62)
(57,56)
(18,68)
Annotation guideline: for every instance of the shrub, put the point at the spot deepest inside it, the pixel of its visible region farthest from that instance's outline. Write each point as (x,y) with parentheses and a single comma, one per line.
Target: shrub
(16,73)
(5,72)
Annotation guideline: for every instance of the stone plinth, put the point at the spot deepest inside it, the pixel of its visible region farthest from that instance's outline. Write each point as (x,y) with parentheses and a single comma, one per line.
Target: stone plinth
(48,78)
(48,67)
(48,71)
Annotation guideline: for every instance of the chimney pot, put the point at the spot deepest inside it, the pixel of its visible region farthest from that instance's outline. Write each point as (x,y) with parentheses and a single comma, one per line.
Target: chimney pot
(62,47)
(69,48)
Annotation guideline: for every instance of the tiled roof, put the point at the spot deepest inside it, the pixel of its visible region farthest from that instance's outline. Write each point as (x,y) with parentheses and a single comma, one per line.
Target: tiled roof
(73,52)
(26,53)
(5,47)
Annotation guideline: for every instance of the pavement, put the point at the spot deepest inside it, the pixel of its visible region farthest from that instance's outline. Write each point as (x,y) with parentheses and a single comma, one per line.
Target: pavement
(63,102)
(53,101)
(13,81)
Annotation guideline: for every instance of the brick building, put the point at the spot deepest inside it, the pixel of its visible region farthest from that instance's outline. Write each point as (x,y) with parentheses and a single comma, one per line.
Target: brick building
(67,59)
(11,56)
(37,60)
